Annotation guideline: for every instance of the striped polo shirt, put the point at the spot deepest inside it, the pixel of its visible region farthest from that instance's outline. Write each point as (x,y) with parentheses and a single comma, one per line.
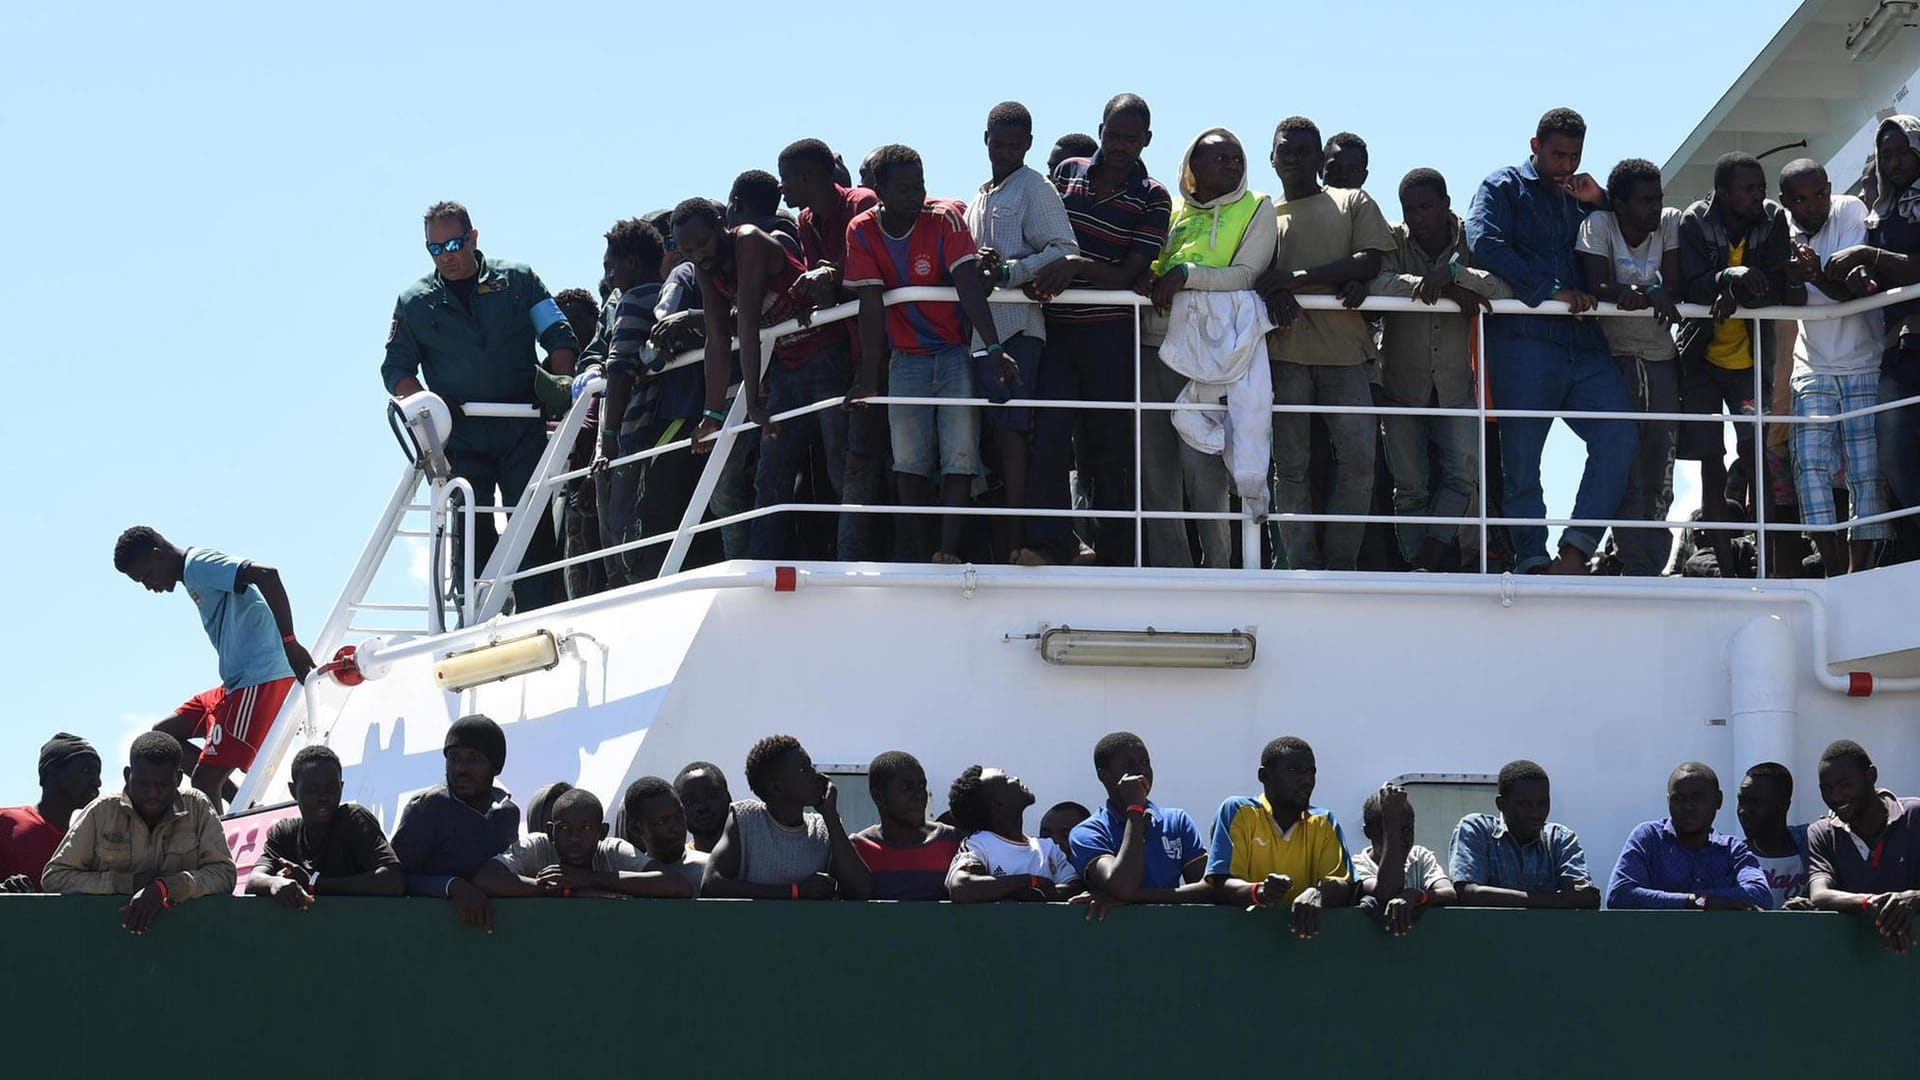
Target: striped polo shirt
(1132,219)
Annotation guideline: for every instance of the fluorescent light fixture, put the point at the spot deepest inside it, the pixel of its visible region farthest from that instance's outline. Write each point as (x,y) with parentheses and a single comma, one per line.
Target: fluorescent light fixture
(1146,648)
(497,660)
(1867,37)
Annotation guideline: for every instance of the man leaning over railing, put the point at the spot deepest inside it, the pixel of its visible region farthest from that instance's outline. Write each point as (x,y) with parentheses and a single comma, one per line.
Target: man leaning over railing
(1891,257)
(1220,239)
(1733,254)
(635,252)
(1523,225)
(1428,360)
(1833,367)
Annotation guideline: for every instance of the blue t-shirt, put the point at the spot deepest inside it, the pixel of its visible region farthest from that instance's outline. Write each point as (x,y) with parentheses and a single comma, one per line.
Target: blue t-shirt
(238,621)
(1173,840)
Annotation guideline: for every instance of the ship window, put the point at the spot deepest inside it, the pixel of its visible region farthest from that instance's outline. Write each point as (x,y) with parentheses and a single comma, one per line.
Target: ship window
(857,809)
(1439,801)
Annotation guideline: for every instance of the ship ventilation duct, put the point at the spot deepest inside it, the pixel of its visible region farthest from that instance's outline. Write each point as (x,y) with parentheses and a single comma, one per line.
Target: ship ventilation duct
(1763,717)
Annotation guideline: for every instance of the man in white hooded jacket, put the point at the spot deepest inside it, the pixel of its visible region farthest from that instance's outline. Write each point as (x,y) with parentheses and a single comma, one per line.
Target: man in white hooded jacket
(1220,238)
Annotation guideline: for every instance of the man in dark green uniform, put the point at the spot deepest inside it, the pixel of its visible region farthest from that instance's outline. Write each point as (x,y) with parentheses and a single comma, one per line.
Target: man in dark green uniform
(469,329)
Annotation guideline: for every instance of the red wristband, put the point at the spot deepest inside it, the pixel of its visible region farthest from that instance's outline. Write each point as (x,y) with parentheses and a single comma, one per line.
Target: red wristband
(166,901)
(1866,902)
(1424,897)
(1137,808)
(566,893)
(1256,892)
(796,890)
(1033,882)
(289,639)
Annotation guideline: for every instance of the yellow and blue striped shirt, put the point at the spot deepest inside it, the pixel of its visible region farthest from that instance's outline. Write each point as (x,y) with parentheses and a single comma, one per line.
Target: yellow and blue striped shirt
(1249,844)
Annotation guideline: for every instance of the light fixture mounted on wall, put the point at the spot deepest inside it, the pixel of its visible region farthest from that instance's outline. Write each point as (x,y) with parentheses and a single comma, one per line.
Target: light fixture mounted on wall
(1148,648)
(497,660)
(1867,37)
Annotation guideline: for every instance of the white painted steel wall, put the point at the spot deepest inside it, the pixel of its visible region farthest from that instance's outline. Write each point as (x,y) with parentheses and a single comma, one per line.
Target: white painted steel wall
(1608,694)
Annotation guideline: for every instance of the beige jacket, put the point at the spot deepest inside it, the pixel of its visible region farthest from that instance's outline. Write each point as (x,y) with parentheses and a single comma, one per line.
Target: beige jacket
(111,850)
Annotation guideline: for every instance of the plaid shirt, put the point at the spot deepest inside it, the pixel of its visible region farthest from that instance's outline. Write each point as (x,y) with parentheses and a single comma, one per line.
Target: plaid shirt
(1023,219)
(1485,853)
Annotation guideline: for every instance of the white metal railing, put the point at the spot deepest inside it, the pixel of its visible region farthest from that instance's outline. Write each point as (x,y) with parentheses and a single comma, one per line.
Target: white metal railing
(496,576)
(484,595)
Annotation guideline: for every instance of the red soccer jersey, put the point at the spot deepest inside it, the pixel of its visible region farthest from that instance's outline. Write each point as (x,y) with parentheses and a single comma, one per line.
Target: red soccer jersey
(927,255)
(27,842)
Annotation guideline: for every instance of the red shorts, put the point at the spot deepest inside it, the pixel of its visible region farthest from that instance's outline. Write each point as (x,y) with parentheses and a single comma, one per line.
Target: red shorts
(234,724)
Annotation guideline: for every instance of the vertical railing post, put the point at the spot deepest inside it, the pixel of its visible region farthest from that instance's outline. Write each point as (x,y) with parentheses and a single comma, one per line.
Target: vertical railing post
(1759,481)
(1478,325)
(1139,434)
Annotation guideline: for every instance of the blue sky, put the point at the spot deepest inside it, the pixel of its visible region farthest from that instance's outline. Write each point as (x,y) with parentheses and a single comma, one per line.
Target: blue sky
(211,208)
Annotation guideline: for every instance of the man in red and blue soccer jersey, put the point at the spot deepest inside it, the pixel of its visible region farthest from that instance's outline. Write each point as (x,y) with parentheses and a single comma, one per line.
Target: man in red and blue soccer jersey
(910,241)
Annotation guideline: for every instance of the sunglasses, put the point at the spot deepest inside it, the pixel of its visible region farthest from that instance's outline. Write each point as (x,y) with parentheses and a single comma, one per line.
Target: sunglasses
(450,246)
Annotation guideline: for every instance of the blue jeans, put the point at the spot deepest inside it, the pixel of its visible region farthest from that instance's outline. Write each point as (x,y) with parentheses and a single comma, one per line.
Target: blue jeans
(784,457)
(1527,373)
(934,440)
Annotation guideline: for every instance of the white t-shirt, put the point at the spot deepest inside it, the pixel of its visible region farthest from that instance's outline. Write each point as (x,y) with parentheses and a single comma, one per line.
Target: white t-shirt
(991,853)
(1423,869)
(1787,875)
(1600,235)
(1849,346)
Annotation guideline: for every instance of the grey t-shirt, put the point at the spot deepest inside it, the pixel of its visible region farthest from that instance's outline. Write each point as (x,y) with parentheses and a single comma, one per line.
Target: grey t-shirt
(1635,335)
(692,866)
(535,852)
(771,853)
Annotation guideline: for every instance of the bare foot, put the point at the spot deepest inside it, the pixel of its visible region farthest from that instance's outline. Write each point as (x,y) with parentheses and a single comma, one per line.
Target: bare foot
(945,559)
(1027,557)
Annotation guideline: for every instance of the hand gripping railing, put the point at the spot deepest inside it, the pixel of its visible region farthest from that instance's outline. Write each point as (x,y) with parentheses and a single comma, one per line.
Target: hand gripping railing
(513,545)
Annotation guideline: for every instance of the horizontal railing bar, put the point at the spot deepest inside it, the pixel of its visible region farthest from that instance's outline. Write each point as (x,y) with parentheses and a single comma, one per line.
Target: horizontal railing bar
(1382,304)
(1202,515)
(367,605)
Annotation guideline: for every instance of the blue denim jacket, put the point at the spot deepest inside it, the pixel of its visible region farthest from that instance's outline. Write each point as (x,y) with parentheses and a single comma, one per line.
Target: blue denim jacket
(1523,230)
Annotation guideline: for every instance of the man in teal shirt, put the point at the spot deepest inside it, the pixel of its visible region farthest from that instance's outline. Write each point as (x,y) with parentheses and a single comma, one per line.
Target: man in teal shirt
(469,328)
(244,608)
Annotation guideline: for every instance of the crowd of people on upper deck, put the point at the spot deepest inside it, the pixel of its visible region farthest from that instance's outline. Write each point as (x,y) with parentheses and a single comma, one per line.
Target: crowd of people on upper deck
(1220,266)
(468,842)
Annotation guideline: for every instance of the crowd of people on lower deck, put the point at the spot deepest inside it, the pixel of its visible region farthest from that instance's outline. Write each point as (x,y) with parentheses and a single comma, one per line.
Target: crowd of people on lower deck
(1220,266)
(468,842)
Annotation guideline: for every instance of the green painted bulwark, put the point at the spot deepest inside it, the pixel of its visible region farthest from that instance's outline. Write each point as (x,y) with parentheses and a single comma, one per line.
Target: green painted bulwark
(377,988)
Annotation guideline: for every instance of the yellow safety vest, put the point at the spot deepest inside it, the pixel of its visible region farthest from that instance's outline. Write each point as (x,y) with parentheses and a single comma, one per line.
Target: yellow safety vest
(1195,236)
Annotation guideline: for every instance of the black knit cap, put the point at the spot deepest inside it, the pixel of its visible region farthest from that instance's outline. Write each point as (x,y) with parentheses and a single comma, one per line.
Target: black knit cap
(477,732)
(62,748)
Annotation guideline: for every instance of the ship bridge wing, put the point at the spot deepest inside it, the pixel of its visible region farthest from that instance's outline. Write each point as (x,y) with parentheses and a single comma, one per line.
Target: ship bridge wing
(1809,84)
